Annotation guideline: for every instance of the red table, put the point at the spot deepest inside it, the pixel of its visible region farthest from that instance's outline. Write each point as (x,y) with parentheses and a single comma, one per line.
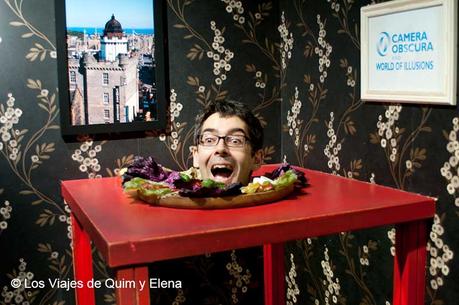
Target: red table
(131,234)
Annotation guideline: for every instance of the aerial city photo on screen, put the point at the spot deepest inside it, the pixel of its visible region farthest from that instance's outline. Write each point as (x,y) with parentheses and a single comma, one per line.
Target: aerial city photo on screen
(111,62)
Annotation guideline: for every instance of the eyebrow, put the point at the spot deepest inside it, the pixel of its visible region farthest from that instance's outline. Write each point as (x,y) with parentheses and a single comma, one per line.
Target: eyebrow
(231,131)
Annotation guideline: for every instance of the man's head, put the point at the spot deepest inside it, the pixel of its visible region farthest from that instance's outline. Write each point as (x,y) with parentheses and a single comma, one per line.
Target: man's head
(229,140)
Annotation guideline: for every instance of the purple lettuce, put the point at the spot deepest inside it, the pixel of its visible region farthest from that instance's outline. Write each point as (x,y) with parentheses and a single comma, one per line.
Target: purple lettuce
(173,178)
(302,181)
(146,168)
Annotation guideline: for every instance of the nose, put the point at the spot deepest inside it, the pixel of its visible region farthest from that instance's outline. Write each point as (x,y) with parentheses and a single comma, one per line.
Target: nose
(221,147)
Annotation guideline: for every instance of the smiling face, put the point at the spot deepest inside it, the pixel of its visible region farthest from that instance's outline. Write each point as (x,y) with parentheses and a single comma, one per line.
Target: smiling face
(220,162)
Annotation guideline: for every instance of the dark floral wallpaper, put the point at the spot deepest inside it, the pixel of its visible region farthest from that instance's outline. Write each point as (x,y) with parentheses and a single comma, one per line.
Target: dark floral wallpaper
(296,63)
(325,126)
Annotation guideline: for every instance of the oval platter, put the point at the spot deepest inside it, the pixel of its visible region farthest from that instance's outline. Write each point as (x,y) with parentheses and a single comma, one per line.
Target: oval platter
(227,202)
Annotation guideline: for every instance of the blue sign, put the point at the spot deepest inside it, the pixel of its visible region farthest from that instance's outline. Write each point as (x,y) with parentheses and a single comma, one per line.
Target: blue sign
(383,44)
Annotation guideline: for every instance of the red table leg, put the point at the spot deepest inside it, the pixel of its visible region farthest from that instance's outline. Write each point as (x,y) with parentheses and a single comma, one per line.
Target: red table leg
(409,263)
(82,263)
(274,275)
(136,294)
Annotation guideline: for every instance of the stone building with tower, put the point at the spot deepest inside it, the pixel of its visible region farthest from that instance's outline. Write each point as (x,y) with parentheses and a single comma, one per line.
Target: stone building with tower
(104,85)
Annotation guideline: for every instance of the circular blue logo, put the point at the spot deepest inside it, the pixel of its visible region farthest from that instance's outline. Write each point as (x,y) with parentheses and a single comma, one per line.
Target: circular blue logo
(382,45)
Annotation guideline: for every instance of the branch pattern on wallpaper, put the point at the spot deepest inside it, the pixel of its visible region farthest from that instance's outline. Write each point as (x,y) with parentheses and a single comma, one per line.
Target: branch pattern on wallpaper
(38,50)
(25,152)
(220,58)
(403,158)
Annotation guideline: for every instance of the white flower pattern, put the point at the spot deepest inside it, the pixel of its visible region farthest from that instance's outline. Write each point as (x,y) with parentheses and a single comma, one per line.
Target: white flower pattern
(179,298)
(332,286)
(292,287)
(350,77)
(334,5)
(86,155)
(220,56)
(21,294)
(323,50)
(240,281)
(5,213)
(365,256)
(391,236)
(333,148)
(259,81)
(286,44)
(388,130)
(9,135)
(440,254)
(450,169)
(293,121)
(175,109)
(236,9)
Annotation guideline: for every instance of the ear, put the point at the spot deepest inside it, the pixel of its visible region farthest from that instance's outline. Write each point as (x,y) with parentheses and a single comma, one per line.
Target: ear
(194,152)
(258,159)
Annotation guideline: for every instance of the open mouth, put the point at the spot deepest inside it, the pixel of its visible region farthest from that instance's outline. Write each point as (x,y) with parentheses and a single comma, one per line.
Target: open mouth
(221,172)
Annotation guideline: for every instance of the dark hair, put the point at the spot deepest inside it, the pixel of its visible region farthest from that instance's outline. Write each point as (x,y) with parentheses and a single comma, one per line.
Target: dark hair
(232,108)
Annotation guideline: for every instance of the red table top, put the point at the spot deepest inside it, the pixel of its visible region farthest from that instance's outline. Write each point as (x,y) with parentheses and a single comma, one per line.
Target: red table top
(131,232)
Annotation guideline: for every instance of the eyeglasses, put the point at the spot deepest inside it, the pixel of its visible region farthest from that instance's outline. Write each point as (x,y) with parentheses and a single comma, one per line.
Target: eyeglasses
(235,141)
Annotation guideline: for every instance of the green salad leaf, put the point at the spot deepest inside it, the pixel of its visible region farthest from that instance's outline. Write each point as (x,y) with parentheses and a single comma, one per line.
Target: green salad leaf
(288,178)
(185,177)
(209,183)
(135,183)
(154,192)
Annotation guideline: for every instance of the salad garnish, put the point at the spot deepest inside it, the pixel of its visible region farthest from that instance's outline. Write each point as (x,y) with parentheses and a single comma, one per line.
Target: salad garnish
(146,178)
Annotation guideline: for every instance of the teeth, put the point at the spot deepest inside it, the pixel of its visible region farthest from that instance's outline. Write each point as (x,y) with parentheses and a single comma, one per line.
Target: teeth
(222,166)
